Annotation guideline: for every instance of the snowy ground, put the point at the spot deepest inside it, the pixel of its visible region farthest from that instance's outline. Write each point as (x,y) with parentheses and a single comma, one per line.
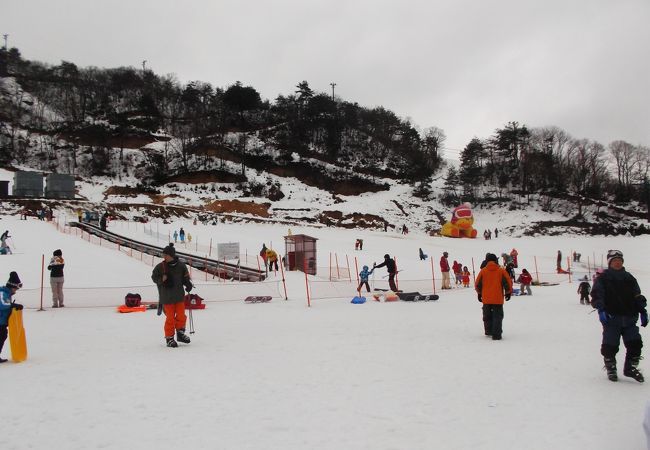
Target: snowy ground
(333,376)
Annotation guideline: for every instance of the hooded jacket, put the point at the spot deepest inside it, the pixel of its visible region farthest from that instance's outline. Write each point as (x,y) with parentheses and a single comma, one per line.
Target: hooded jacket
(618,293)
(492,282)
(177,275)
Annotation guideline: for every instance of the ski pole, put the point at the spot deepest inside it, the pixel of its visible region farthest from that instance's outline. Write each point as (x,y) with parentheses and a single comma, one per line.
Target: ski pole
(191,321)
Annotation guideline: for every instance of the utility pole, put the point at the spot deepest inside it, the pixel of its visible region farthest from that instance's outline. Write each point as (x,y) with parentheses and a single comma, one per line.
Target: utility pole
(5,36)
(144,63)
(332,84)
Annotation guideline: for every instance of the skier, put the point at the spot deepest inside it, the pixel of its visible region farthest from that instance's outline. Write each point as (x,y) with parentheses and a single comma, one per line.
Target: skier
(584,289)
(6,305)
(171,276)
(493,284)
(363,278)
(56,278)
(444,267)
(391,267)
(181,235)
(525,279)
(272,259)
(617,297)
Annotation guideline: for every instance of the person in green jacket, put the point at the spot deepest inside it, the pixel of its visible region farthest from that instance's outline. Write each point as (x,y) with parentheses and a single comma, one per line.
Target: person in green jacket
(171,276)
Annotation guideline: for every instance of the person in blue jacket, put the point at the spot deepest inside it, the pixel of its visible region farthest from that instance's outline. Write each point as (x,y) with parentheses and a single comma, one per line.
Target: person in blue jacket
(6,305)
(363,278)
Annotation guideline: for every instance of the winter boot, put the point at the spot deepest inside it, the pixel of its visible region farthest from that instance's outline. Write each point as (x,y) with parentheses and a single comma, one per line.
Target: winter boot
(630,370)
(171,342)
(610,367)
(2,360)
(182,337)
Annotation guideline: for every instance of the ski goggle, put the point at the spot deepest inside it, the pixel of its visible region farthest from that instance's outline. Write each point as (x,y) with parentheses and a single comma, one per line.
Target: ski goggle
(611,254)
(463,212)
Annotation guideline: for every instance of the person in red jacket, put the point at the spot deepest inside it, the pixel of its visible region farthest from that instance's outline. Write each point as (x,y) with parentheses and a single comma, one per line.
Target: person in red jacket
(493,285)
(458,272)
(444,267)
(525,279)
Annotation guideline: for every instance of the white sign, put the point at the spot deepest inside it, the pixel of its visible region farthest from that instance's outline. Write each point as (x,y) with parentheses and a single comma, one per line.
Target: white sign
(228,250)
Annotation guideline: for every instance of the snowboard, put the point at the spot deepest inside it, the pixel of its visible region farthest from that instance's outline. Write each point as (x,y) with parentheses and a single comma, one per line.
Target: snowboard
(17,336)
(417,297)
(258,299)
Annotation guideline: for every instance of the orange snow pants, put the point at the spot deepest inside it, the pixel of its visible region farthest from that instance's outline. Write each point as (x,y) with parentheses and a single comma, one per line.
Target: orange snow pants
(174,317)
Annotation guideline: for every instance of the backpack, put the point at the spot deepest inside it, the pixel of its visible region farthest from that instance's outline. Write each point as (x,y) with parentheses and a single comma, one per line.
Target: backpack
(132,300)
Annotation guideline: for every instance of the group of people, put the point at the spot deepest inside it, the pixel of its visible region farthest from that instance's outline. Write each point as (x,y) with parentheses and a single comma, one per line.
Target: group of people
(270,258)
(180,234)
(487,234)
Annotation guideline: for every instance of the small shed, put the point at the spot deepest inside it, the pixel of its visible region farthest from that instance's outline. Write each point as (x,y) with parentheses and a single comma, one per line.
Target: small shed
(28,184)
(59,186)
(300,251)
(4,189)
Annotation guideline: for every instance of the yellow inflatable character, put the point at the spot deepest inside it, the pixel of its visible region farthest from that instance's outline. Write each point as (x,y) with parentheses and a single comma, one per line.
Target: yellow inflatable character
(461,223)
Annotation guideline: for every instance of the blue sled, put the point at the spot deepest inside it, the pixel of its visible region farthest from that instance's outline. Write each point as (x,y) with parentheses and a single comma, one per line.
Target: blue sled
(358,300)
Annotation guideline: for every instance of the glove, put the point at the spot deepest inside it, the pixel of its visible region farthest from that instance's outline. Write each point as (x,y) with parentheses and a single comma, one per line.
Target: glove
(480,298)
(160,309)
(644,318)
(188,286)
(603,316)
(508,296)
(641,301)
(19,307)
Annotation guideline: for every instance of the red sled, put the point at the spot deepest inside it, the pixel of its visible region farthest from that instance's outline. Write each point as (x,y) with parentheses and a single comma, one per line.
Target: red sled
(193,301)
(130,309)
(258,299)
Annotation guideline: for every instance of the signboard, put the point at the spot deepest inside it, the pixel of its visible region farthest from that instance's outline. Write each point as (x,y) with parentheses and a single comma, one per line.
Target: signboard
(228,250)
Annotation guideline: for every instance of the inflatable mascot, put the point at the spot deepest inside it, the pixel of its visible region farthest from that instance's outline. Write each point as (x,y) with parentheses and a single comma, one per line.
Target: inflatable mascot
(461,223)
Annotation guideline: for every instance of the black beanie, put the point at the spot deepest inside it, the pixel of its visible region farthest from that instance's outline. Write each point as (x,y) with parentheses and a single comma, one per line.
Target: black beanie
(169,250)
(57,252)
(491,257)
(14,281)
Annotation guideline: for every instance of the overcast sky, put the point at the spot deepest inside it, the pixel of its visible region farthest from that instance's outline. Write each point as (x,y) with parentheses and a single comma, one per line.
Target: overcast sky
(465,66)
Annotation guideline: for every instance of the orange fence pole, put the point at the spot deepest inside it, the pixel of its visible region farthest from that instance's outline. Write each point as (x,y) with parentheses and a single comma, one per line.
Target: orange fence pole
(330,266)
(356,268)
(473,272)
(210,252)
(42,280)
(348,263)
(568,266)
(396,275)
(338,274)
(286,297)
(536,272)
(433,277)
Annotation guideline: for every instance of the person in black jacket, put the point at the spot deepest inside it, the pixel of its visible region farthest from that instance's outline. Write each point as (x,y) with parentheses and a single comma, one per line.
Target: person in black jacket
(617,297)
(391,267)
(56,278)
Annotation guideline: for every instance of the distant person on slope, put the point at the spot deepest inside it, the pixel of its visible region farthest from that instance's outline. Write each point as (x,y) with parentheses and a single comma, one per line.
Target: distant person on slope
(4,247)
(170,276)
(617,297)
(391,267)
(6,306)
(525,279)
(493,285)
(584,289)
(272,259)
(57,263)
(444,267)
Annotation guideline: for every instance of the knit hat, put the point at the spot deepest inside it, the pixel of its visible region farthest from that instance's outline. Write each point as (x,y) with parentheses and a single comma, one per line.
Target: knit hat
(491,257)
(57,252)
(613,254)
(169,250)
(14,281)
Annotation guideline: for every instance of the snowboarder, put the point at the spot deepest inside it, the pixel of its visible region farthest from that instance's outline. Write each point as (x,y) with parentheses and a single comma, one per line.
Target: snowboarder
(6,305)
(171,276)
(584,288)
(493,285)
(617,297)
(444,267)
(391,267)
(57,263)
(363,278)
(525,279)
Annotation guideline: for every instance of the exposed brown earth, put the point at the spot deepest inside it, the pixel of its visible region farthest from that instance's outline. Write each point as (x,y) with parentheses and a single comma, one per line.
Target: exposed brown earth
(236,206)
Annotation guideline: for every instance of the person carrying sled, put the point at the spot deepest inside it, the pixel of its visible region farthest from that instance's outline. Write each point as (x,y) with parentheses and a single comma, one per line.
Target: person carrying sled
(493,285)
(584,288)
(7,305)
(171,276)
(525,280)
(57,263)
(444,268)
(363,278)
(391,267)
(617,297)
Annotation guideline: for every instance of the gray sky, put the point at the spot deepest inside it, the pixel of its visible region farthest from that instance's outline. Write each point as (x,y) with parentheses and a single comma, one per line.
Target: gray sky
(465,66)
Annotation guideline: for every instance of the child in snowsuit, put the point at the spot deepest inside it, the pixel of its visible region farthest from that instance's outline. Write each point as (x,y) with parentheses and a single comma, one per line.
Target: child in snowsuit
(6,306)
(458,272)
(363,278)
(465,277)
(525,279)
(584,289)
(617,297)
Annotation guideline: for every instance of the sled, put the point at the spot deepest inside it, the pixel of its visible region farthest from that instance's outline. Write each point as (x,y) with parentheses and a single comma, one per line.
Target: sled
(387,296)
(17,338)
(130,309)
(258,299)
(358,300)
(563,272)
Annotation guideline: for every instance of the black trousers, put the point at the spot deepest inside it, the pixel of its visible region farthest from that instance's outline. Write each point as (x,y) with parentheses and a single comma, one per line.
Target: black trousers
(391,282)
(3,335)
(362,284)
(493,319)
